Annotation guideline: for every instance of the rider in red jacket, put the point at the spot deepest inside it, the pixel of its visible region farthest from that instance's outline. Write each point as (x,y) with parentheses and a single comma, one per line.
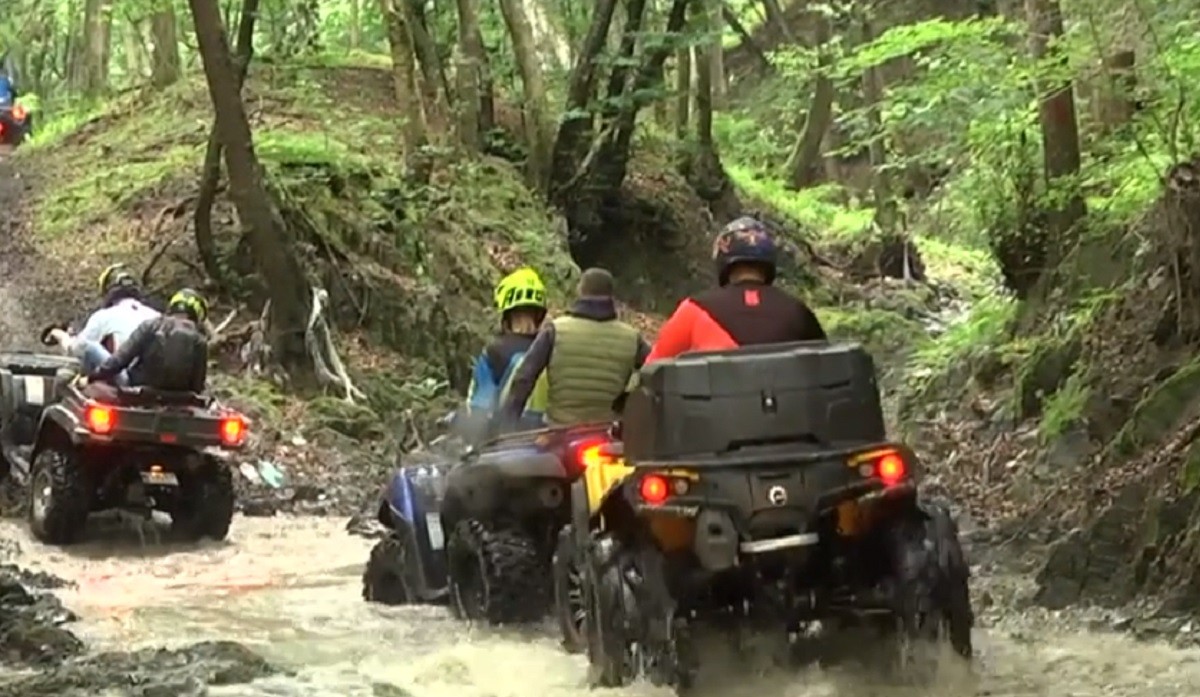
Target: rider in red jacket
(745,308)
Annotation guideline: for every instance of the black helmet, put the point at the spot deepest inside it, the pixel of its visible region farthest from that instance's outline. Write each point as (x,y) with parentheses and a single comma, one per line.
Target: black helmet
(745,241)
(189,302)
(117,284)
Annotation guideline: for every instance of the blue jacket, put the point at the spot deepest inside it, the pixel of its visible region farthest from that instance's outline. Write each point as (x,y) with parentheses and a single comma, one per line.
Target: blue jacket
(7,92)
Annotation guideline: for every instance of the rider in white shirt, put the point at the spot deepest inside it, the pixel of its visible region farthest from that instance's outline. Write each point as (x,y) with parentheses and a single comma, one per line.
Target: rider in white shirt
(110,326)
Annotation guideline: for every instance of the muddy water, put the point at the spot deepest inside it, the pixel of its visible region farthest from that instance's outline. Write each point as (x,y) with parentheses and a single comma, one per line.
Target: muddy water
(289,588)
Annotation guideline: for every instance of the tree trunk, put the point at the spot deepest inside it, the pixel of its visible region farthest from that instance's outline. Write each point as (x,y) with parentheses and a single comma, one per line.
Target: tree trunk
(886,211)
(683,92)
(135,64)
(165,61)
(537,131)
(478,114)
(804,165)
(577,120)
(355,25)
(210,173)
(1060,130)
(436,87)
(404,77)
(777,19)
(747,40)
(92,63)
(705,87)
(269,243)
(716,59)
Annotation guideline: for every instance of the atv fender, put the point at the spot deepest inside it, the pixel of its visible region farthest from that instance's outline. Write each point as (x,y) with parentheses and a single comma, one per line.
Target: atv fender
(478,487)
(411,516)
(57,421)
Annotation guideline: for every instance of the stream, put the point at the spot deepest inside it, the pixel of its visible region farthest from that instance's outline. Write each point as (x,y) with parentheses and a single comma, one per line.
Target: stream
(289,588)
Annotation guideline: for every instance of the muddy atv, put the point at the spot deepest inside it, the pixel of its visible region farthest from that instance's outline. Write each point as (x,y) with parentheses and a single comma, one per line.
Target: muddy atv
(408,564)
(758,488)
(498,511)
(15,125)
(81,449)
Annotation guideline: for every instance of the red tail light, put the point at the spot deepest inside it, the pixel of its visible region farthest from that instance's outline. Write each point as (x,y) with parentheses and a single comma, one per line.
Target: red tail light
(654,489)
(890,468)
(99,419)
(233,431)
(591,453)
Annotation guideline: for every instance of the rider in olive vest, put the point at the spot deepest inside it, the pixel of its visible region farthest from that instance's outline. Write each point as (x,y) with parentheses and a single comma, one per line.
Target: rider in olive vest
(588,355)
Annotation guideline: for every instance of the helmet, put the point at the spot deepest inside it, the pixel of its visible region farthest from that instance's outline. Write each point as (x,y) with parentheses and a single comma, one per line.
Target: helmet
(745,240)
(115,276)
(189,302)
(521,288)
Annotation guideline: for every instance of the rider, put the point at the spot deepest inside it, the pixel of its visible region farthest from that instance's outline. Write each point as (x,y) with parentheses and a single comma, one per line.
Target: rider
(123,311)
(520,298)
(167,353)
(745,308)
(587,356)
(8,90)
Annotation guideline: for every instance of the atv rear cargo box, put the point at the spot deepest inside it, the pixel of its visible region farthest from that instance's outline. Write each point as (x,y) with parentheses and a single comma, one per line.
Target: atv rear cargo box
(705,404)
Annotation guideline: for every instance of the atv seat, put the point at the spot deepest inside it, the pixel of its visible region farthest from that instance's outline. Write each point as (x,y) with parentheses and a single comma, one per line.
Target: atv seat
(143,396)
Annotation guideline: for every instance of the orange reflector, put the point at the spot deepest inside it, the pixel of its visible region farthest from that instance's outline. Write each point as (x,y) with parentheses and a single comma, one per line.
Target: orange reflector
(19,113)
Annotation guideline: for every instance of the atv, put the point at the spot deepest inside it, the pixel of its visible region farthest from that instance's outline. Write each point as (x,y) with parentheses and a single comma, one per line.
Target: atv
(757,487)
(480,534)
(15,124)
(84,448)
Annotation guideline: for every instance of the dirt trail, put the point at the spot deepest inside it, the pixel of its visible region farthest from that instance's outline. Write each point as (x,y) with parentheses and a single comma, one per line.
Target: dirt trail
(288,588)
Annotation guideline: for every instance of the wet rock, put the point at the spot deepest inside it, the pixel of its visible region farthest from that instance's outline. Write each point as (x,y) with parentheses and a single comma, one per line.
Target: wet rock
(31,631)
(147,673)
(382,689)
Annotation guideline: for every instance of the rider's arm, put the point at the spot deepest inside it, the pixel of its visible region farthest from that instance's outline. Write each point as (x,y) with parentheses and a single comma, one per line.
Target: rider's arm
(643,352)
(200,367)
(675,337)
(525,378)
(137,343)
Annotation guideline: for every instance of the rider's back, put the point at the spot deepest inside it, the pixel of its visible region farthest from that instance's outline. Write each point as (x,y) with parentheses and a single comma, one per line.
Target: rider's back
(118,321)
(750,314)
(175,359)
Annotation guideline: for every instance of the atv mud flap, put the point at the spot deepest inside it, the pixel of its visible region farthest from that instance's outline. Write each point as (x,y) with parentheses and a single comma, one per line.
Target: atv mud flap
(717,543)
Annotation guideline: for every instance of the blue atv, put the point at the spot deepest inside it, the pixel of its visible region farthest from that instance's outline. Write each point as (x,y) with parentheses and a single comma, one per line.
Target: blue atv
(408,565)
(480,533)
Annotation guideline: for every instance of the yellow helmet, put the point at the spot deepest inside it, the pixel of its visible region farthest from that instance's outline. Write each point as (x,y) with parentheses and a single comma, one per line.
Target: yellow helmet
(191,302)
(521,288)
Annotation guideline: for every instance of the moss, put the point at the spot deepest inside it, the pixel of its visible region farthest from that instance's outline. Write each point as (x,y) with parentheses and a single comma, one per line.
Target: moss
(1159,411)
(1065,408)
(884,333)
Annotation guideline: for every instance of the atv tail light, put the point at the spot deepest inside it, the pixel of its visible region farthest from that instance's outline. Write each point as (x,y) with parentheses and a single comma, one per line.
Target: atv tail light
(654,489)
(592,453)
(890,468)
(18,113)
(100,420)
(233,431)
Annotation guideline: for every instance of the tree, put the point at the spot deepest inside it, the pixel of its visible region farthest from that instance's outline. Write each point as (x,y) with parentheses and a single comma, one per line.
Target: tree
(1056,112)
(269,243)
(164,63)
(537,132)
(803,165)
(404,77)
(475,77)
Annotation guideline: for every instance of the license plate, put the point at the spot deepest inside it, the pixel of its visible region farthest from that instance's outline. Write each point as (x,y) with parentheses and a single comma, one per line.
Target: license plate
(160,478)
(437,538)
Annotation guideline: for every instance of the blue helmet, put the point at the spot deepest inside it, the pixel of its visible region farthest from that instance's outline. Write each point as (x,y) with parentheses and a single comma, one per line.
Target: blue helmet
(745,241)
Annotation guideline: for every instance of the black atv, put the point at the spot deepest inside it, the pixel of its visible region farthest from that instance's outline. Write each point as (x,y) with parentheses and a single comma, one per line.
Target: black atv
(88,448)
(502,510)
(760,489)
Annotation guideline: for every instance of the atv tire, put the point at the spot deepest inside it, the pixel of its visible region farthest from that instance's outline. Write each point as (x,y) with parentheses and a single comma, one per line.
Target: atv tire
(610,661)
(932,578)
(569,604)
(495,575)
(385,578)
(206,505)
(59,499)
